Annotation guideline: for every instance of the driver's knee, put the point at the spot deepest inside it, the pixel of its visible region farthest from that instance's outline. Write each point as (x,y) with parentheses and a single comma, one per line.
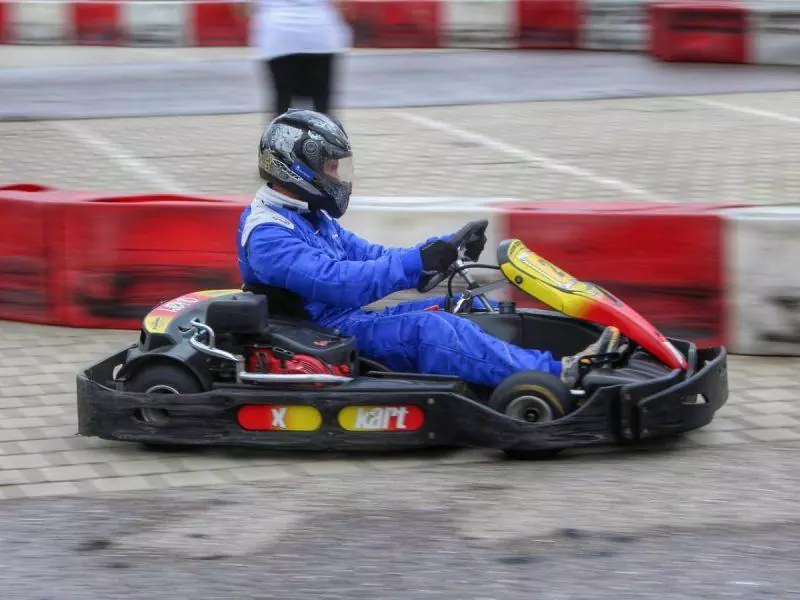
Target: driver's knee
(439,328)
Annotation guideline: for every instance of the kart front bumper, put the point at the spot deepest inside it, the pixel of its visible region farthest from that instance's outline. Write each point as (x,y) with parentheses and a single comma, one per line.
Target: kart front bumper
(675,403)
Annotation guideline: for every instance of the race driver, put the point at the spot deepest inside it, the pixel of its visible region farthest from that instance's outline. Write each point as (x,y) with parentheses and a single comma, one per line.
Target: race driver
(289,239)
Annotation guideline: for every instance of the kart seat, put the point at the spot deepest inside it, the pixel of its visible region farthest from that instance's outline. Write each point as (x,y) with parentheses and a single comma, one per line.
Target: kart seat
(311,340)
(305,337)
(282,302)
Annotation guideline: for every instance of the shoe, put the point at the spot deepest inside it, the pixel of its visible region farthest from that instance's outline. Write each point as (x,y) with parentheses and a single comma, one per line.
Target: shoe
(606,343)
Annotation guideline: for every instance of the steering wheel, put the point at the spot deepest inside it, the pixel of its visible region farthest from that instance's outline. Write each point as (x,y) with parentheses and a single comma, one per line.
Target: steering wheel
(471,232)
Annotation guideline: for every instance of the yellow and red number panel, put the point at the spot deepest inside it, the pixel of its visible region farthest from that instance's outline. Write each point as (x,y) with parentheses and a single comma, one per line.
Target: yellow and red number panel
(274,417)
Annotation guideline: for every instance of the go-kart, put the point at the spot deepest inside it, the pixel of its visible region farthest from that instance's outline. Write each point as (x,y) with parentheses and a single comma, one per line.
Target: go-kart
(232,367)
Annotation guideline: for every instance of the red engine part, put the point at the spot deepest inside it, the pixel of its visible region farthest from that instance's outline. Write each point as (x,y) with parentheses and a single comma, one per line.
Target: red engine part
(263,359)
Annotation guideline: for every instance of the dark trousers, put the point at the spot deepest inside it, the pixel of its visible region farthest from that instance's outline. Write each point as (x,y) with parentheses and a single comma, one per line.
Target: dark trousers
(301,75)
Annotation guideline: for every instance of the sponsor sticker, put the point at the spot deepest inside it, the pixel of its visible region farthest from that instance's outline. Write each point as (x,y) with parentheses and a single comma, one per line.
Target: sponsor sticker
(274,417)
(381,418)
(547,269)
(158,319)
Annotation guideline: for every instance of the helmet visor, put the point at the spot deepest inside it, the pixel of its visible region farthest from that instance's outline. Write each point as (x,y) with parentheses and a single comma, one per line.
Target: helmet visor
(339,170)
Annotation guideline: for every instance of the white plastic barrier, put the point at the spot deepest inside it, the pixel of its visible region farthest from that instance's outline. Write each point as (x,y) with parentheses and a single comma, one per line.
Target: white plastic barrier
(479,23)
(408,221)
(763,247)
(614,25)
(156,23)
(775,32)
(39,22)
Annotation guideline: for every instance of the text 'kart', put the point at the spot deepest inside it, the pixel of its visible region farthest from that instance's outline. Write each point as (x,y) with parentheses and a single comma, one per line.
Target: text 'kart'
(222,367)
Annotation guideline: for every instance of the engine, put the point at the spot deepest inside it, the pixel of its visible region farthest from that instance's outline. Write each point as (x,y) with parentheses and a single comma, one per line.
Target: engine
(264,359)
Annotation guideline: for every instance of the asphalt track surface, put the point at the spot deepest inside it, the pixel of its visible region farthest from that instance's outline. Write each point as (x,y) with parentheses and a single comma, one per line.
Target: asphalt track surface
(713,516)
(611,527)
(193,86)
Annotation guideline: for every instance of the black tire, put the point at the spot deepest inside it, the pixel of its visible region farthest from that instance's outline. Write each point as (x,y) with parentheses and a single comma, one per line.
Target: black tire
(550,398)
(180,379)
(534,397)
(167,379)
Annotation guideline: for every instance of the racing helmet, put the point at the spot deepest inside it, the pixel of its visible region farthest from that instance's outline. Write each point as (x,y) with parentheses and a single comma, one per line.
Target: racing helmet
(309,154)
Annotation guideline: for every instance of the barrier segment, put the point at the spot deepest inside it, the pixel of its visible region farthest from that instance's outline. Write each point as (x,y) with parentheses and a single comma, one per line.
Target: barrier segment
(553,24)
(775,32)
(762,249)
(699,31)
(614,25)
(34,22)
(479,23)
(5,25)
(392,24)
(97,23)
(218,24)
(159,24)
(31,257)
(124,255)
(404,222)
(27,268)
(666,261)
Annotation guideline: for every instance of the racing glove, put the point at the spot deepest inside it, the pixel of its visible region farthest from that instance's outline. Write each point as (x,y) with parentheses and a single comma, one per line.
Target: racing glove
(475,244)
(437,256)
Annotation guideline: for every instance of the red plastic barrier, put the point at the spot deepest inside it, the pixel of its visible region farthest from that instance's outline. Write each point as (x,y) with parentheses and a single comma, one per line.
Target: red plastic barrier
(96,23)
(549,23)
(392,24)
(28,276)
(219,24)
(699,32)
(5,24)
(124,255)
(663,260)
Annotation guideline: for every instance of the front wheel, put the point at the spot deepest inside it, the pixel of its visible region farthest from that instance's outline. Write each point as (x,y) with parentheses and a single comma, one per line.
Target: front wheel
(162,379)
(533,397)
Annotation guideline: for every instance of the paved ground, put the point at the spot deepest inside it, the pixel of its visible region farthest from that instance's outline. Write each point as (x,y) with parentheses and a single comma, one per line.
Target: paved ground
(711,523)
(137,82)
(455,525)
(732,148)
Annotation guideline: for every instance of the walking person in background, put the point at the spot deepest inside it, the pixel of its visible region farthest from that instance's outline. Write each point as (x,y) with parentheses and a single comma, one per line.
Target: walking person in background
(298,43)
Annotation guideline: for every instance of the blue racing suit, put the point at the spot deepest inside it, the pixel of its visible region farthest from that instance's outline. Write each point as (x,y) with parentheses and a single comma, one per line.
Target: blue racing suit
(336,273)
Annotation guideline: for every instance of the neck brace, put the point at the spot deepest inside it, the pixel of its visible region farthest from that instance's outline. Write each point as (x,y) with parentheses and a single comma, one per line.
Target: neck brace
(266,195)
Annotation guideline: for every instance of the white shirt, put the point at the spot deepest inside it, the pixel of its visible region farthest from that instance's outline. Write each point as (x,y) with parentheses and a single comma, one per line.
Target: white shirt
(282,27)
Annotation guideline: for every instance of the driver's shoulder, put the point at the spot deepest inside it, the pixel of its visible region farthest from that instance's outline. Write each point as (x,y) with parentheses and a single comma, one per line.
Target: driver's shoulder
(264,220)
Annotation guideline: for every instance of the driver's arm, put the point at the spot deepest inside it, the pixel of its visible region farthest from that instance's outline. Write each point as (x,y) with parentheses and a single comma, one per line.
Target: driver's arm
(358,248)
(281,259)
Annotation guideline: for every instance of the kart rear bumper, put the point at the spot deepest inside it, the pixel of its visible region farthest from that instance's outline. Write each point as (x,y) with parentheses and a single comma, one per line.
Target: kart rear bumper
(621,414)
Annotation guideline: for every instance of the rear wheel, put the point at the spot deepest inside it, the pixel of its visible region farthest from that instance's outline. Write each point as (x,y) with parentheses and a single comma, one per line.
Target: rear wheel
(533,397)
(162,379)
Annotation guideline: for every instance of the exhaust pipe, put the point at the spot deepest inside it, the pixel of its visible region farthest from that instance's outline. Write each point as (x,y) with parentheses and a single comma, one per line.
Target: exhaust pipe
(292,378)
